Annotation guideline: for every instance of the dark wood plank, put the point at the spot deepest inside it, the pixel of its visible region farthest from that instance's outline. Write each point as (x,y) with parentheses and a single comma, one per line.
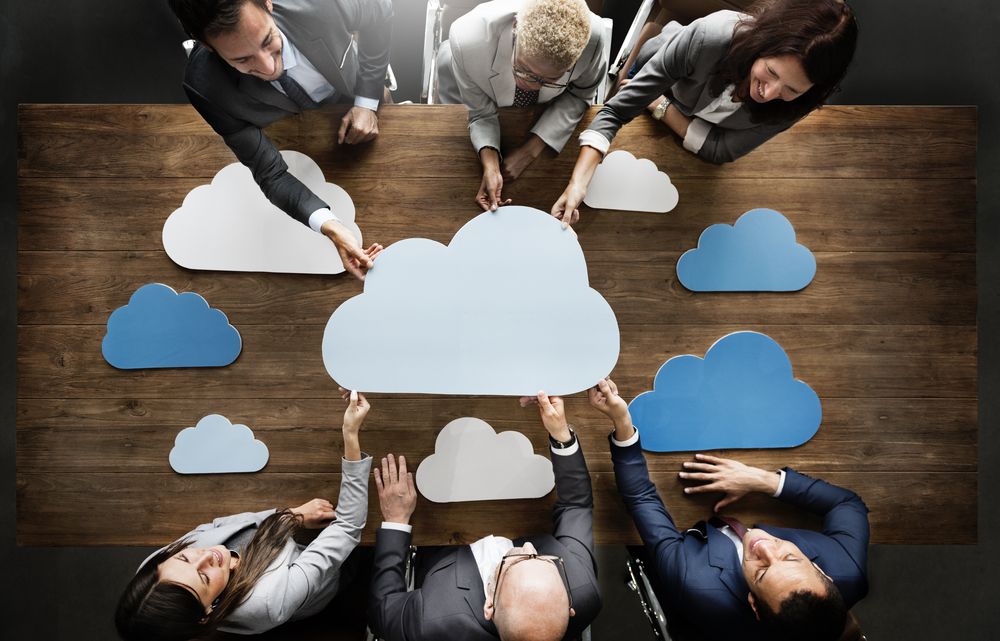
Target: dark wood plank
(857,287)
(907,215)
(284,361)
(159,507)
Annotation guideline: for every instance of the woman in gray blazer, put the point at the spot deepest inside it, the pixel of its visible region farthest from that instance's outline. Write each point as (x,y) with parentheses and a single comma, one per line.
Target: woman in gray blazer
(726,83)
(244,573)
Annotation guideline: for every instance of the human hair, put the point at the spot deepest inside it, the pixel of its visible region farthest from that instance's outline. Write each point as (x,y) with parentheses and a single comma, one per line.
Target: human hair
(202,19)
(822,34)
(555,31)
(806,615)
(156,611)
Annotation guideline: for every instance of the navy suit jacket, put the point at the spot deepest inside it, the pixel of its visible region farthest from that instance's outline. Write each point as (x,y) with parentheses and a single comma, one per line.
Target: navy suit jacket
(699,570)
(238,106)
(449,602)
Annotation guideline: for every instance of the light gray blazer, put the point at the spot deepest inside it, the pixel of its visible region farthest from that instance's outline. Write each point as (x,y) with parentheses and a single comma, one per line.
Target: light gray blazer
(680,63)
(475,68)
(302,580)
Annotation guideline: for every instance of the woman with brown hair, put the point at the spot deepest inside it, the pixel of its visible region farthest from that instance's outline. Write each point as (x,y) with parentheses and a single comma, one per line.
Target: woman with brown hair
(726,83)
(244,573)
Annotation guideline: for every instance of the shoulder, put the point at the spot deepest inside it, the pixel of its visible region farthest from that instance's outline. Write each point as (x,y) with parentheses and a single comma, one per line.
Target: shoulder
(209,75)
(483,24)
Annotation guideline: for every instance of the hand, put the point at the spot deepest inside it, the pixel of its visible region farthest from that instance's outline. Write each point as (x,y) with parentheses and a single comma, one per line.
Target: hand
(396,494)
(605,399)
(553,416)
(489,197)
(356,261)
(519,159)
(357,410)
(733,478)
(316,514)
(567,208)
(358,125)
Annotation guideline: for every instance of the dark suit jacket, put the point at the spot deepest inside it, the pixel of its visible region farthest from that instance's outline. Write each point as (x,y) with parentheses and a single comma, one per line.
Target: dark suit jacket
(237,105)
(449,603)
(699,570)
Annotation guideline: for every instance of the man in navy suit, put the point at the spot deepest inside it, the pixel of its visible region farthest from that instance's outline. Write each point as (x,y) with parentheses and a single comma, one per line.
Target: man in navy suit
(729,582)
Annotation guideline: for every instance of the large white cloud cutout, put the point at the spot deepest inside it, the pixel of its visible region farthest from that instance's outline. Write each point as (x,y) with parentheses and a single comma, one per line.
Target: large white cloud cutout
(505,309)
(216,446)
(623,181)
(229,225)
(471,462)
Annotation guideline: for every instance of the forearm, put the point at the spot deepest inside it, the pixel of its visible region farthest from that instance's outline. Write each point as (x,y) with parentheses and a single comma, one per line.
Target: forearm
(586,165)
(624,430)
(674,119)
(490,160)
(352,445)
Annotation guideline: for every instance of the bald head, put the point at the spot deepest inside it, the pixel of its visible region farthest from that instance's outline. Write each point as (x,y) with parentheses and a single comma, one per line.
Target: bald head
(532,604)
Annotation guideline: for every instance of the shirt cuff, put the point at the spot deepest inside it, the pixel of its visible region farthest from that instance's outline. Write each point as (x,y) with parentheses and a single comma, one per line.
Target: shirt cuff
(781,483)
(567,451)
(402,527)
(591,138)
(367,103)
(632,440)
(320,216)
(696,134)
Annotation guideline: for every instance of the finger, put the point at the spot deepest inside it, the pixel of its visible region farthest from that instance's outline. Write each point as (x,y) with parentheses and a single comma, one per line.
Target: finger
(506,202)
(344,124)
(527,400)
(698,467)
(482,202)
(605,387)
(352,268)
(402,467)
(378,480)
(410,486)
(543,401)
(701,489)
(696,476)
(729,500)
(362,401)
(614,388)
(393,478)
(575,217)
(710,459)
(359,255)
(354,399)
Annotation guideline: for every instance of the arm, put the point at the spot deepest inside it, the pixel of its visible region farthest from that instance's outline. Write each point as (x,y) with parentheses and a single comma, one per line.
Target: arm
(222,521)
(372,20)
(726,145)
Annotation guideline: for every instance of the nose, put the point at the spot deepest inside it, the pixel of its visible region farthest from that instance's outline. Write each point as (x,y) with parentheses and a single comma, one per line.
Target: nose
(265,63)
(772,91)
(530,549)
(767,550)
(206,558)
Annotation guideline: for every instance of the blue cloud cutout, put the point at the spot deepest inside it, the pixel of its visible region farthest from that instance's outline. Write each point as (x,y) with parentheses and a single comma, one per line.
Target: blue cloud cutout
(161,328)
(741,395)
(216,446)
(757,254)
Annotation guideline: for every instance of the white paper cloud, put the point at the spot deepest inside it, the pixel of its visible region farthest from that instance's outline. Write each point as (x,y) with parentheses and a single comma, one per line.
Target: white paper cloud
(505,309)
(623,181)
(471,462)
(230,225)
(216,446)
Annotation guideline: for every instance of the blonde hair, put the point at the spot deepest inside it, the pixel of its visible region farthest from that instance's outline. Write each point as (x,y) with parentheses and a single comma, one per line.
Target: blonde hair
(554,31)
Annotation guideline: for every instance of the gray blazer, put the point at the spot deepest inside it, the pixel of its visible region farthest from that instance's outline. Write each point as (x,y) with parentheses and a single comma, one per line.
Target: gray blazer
(237,105)
(475,68)
(302,580)
(680,63)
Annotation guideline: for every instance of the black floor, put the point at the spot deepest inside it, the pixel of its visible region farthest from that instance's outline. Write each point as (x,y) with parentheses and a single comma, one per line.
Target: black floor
(912,52)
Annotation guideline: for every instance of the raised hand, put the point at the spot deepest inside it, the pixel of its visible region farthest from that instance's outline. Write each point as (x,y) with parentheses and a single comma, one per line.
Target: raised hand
(732,478)
(316,514)
(397,496)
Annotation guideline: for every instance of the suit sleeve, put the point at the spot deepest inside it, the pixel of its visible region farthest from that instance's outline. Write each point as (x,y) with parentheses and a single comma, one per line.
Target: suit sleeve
(222,521)
(484,121)
(573,513)
(655,525)
(372,20)
(393,613)
(557,123)
(726,145)
(253,148)
(310,573)
(845,515)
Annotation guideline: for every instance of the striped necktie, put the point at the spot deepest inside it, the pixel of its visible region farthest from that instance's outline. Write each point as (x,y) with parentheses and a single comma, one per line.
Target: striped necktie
(295,91)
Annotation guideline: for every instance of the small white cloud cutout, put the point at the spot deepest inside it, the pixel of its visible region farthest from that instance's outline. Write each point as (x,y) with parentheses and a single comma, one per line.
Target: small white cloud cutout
(216,446)
(505,309)
(229,225)
(623,181)
(471,462)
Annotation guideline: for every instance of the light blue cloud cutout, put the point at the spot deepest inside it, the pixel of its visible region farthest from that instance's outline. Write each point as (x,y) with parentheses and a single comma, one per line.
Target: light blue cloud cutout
(741,395)
(757,254)
(216,446)
(161,328)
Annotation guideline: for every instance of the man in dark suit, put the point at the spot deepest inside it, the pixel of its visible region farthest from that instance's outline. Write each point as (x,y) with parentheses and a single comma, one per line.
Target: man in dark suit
(729,582)
(540,588)
(258,61)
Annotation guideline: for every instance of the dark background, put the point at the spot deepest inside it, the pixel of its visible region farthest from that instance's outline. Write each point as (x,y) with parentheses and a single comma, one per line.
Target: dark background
(912,52)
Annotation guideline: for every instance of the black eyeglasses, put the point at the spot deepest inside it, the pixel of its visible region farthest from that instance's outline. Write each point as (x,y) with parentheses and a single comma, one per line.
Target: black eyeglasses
(514,559)
(527,76)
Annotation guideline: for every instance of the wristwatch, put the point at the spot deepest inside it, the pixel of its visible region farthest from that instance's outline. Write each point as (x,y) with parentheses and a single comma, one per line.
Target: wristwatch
(661,109)
(559,445)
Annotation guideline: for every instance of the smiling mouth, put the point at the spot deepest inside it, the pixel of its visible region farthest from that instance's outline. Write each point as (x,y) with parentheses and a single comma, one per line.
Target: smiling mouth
(218,557)
(760,89)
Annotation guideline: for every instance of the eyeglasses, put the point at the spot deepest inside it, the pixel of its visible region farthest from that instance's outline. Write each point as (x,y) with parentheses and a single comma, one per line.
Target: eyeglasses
(527,76)
(513,559)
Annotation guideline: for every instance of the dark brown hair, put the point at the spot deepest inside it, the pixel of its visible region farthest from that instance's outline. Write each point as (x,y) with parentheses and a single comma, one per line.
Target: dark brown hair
(822,34)
(203,19)
(806,615)
(155,611)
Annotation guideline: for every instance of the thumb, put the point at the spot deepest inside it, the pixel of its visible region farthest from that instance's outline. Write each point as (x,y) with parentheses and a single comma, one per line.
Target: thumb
(354,399)
(345,123)
(543,401)
(359,255)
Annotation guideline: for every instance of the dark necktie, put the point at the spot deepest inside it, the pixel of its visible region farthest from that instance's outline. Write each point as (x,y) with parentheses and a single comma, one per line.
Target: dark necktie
(525,98)
(295,91)
(734,524)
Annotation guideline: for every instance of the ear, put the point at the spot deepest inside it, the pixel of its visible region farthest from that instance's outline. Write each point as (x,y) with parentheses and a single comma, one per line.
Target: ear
(572,612)
(753,605)
(488,610)
(820,570)
(269,6)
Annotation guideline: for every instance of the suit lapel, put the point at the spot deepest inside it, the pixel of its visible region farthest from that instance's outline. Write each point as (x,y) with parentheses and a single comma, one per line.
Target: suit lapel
(322,54)
(468,580)
(502,78)
(722,555)
(265,92)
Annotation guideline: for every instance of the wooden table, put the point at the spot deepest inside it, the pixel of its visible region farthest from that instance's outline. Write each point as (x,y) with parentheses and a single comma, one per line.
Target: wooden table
(886,334)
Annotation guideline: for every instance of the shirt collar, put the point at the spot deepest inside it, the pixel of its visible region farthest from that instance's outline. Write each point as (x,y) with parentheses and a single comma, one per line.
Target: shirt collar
(289,54)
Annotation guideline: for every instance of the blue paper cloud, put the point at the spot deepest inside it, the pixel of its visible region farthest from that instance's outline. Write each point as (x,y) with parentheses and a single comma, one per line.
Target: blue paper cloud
(216,446)
(741,395)
(161,328)
(757,254)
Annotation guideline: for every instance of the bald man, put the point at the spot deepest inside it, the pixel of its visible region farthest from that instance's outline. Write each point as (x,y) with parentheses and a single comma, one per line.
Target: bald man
(539,588)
